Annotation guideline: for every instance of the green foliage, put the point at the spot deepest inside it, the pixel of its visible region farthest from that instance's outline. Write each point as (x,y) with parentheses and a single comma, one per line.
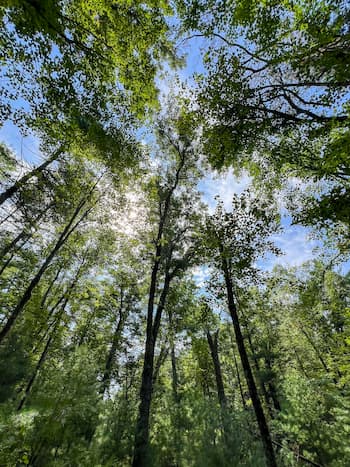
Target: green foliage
(98,247)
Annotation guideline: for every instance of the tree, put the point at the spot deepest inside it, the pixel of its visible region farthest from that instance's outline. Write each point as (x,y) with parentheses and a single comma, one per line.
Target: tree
(237,239)
(275,91)
(67,56)
(173,253)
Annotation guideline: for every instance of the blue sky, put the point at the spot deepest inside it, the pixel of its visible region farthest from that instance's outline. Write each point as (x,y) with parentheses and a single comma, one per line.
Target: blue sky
(294,241)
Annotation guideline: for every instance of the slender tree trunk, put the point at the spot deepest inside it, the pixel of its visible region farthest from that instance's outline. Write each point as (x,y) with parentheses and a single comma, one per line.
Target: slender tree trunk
(23,234)
(8,261)
(9,215)
(142,427)
(272,387)
(159,362)
(112,352)
(63,298)
(34,282)
(257,373)
(48,290)
(213,345)
(175,378)
(13,243)
(33,173)
(260,416)
(239,382)
(141,442)
(42,358)
(214,351)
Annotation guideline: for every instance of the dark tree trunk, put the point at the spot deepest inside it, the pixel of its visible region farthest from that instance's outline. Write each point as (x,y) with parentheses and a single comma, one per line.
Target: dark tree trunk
(8,262)
(175,378)
(141,442)
(257,368)
(159,362)
(272,387)
(113,350)
(239,382)
(42,358)
(24,234)
(141,455)
(34,282)
(13,243)
(214,351)
(213,345)
(48,290)
(33,173)
(260,416)
(63,298)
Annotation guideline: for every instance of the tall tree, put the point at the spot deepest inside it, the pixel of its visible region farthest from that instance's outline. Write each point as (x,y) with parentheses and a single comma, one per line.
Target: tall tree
(236,239)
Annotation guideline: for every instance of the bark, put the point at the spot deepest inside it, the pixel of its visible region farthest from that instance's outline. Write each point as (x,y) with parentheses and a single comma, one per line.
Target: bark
(142,426)
(259,413)
(213,345)
(239,382)
(23,234)
(141,442)
(115,341)
(33,173)
(158,365)
(174,375)
(42,358)
(68,230)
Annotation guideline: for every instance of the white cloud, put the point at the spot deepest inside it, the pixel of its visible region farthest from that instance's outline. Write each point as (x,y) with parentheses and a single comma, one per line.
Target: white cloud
(296,245)
(200,275)
(224,185)
(294,241)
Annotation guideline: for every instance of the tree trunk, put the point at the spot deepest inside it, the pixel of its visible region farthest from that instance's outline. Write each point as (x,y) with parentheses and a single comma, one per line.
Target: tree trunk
(272,387)
(33,173)
(213,345)
(159,362)
(141,442)
(257,374)
(34,282)
(23,234)
(175,378)
(239,382)
(9,260)
(42,358)
(142,427)
(259,413)
(112,352)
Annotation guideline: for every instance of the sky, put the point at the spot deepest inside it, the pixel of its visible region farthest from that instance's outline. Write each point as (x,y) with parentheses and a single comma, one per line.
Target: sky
(294,241)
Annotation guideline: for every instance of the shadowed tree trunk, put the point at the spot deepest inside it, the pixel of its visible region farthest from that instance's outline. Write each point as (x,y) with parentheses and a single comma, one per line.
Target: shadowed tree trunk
(213,345)
(158,365)
(141,442)
(33,173)
(115,341)
(259,413)
(42,357)
(68,230)
(142,427)
(174,375)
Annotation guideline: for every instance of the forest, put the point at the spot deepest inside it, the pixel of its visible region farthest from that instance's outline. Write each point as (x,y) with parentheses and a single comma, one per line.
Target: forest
(175,233)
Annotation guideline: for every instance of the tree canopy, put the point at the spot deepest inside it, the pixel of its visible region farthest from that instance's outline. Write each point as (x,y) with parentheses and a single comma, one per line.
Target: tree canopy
(147,320)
